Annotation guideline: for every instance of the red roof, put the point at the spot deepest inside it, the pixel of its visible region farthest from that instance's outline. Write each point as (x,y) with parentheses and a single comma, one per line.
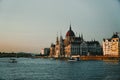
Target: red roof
(70,32)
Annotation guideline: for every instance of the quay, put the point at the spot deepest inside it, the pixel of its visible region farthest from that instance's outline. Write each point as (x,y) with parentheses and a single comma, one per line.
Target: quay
(84,58)
(97,57)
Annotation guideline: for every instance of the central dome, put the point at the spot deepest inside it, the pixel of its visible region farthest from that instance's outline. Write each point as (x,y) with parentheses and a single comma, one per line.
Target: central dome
(70,32)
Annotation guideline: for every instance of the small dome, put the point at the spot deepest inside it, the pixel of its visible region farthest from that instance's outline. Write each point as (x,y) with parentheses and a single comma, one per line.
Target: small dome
(70,32)
(115,35)
(52,45)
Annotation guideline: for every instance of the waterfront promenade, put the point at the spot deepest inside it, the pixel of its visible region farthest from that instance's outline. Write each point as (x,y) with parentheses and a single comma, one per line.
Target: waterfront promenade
(99,57)
(86,57)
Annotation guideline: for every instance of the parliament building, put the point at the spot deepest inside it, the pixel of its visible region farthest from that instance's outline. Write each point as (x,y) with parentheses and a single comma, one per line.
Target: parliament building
(74,45)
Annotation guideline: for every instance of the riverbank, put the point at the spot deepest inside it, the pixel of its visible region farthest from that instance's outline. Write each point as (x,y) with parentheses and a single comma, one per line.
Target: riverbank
(85,58)
(100,57)
(17,55)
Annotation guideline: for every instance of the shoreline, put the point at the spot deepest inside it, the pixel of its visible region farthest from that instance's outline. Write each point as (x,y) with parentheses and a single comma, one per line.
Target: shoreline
(81,58)
(86,58)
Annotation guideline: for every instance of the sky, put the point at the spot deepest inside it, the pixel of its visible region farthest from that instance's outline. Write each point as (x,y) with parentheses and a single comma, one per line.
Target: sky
(29,25)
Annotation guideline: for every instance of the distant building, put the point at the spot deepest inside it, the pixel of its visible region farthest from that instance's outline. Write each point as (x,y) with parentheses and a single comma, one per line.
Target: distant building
(57,48)
(111,46)
(52,50)
(73,45)
(45,51)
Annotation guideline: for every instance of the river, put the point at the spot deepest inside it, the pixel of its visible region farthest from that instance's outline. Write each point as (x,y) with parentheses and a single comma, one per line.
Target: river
(49,69)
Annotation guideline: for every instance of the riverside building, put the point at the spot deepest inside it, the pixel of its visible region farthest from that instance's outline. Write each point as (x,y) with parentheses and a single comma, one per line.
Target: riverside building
(111,46)
(74,45)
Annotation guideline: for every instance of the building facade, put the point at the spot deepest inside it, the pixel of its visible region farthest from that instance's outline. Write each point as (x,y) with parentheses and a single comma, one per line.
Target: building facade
(52,50)
(111,46)
(45,51)
(73,45)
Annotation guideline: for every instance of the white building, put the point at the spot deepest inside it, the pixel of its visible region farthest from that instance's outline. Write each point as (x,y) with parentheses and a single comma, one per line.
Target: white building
(111,47)
(45,51)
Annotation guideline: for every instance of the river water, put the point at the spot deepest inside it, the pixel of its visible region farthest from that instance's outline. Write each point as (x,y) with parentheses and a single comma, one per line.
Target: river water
(48,69)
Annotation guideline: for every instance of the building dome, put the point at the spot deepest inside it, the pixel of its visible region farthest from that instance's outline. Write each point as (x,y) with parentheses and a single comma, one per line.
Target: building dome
(115,35)
(70,32)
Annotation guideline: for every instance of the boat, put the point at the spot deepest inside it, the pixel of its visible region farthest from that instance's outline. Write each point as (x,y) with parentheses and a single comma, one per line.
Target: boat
(74,59)
(12,60)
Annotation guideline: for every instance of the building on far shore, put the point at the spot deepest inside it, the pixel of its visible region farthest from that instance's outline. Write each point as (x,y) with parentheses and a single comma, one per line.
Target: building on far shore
(74,45)
(45,51)
(111,46)
(52,50)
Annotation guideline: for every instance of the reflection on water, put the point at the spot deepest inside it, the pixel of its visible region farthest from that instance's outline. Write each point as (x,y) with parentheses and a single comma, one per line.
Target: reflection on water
(47,69)
(112,62)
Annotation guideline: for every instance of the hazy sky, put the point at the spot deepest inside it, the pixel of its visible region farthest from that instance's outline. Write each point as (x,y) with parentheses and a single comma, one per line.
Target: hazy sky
(29,25)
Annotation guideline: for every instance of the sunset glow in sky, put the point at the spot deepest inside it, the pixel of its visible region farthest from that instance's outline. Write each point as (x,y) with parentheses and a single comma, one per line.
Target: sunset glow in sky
(29,25)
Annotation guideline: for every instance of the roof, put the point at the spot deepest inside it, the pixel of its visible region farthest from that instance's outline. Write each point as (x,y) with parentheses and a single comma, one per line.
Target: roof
(52,45)
(75,43)
(93,42)
(70,32)
(78,39)
(115,35)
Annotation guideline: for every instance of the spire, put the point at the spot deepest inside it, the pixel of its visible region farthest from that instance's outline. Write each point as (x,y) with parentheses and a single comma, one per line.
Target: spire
(70,27)
(60,33)
(116,33)
(79,35)
(82,36)
(57,40)
(61,38)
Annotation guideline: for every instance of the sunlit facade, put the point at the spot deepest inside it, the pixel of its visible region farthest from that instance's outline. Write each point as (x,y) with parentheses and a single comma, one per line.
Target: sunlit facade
(111,47)
(74,45)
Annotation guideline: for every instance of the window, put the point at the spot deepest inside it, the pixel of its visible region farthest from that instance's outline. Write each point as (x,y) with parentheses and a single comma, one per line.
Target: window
(117,40)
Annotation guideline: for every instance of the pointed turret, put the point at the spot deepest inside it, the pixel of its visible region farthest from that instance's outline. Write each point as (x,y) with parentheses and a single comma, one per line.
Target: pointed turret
(70,27)
(79,35)
(82,37)
(61,38)
(57,40)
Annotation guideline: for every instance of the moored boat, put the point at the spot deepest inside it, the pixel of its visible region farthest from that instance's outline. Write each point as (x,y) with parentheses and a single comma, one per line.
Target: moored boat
(13,61)
(72,60)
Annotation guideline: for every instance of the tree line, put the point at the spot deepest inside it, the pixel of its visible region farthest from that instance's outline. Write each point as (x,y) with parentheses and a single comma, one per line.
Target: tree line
(12,54)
